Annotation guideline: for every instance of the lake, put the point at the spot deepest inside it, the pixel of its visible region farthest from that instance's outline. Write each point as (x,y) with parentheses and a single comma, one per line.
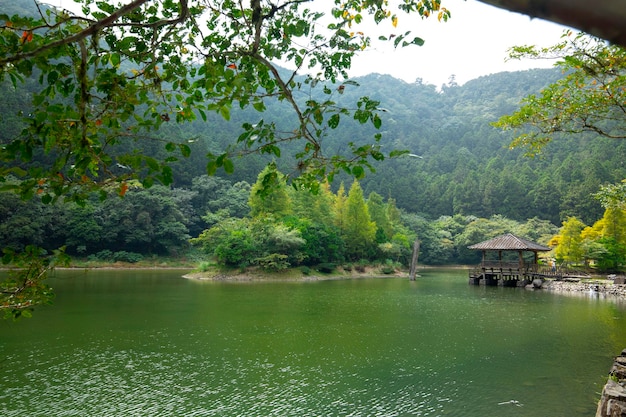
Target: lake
(150,343)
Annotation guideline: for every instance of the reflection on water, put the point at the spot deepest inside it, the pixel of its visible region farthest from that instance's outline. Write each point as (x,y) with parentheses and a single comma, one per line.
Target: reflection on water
(152,344)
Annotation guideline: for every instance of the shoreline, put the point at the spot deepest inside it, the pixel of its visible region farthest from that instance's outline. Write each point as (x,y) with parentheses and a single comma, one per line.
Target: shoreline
(599,287)
(602,287)
(294,275)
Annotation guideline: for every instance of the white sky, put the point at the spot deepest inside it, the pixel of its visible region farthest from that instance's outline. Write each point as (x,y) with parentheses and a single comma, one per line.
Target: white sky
(473,42)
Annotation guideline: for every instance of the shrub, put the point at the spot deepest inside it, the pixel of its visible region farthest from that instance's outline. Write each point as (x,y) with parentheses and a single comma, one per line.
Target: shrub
(273,262)
(326,268)
(103,255)
(205,266)
(387,269)
(305,270)
(123,256)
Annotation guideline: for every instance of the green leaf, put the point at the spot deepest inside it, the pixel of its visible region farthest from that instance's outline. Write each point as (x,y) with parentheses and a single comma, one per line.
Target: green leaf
(211,168)
(53,76)
(376,120)
(185,150)
(358,172)
(229,167)
(148,182)
(114,59)
(333,122)
(225,112)
(167,176)
(259,106)
(417,41)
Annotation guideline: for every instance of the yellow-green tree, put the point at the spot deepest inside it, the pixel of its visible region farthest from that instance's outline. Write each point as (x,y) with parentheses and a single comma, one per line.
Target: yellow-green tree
(268,195)
(570,247)
(359,231)
(317,207)
(605,241)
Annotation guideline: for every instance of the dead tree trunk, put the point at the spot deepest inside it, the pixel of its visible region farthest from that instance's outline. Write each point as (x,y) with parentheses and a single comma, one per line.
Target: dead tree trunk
(416,254)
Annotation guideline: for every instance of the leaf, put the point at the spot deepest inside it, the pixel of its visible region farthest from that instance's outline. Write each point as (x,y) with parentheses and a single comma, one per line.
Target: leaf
(358,172)
(225,112)
(259,106)
(114,59)
(167,175)
(417,41)
(376,120)
(185,150)
(211,168)
(333,122)
(229,167)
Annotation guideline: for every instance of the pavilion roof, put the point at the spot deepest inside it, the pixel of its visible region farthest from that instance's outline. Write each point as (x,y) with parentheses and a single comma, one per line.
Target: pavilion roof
(509,242)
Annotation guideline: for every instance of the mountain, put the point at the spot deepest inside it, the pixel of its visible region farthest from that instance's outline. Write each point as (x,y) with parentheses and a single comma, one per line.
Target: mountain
(465,167)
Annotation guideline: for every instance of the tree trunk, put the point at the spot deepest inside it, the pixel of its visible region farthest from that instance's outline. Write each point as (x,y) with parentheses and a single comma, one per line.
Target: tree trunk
(416,253)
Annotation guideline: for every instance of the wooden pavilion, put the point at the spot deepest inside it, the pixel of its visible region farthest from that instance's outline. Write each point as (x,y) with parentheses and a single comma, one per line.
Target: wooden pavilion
(507,272)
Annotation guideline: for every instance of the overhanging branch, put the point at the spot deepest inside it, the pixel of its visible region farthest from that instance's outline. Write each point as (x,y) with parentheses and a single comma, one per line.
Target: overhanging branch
(96,27)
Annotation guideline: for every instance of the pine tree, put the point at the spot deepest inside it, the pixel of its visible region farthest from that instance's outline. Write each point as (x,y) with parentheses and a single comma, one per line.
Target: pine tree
(359,229)
(268,195)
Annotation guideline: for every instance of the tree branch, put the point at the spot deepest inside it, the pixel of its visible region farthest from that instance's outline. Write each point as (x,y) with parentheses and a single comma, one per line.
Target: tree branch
(99,25)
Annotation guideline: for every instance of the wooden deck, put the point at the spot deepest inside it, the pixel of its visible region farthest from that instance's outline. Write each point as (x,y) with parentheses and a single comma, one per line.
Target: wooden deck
(511,274)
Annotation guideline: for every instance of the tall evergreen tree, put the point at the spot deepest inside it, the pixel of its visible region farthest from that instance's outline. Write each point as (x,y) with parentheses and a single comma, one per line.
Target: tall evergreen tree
(378,212)
(359,230)
(268,195)
(569,248)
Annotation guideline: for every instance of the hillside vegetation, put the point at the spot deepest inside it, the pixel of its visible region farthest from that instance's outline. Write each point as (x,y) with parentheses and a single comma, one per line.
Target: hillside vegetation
(463,172)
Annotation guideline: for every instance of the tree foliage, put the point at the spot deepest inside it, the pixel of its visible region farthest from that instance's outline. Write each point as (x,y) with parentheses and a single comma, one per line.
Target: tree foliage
(570,249)
(24,287)
(358,229)
(591,96)
(111,73)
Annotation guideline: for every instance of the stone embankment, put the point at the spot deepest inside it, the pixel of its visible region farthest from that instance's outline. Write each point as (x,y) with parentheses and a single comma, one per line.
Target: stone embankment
(613,400)
(615,287)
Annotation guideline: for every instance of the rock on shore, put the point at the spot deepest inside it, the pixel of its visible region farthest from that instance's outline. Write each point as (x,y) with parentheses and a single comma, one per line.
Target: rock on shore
(604,287)
(613,400)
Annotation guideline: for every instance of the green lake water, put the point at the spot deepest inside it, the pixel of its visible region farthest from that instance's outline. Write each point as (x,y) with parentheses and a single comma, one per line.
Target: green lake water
(149,343)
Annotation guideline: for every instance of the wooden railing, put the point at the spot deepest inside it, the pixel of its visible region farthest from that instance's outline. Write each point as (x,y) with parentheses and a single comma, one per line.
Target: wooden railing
(504,266)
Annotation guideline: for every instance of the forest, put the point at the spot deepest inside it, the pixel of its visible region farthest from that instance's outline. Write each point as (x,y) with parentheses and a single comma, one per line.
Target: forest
(455,180)
(461,185)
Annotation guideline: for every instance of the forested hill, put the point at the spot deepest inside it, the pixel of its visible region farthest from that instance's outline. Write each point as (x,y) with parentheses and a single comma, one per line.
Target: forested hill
(466,166)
